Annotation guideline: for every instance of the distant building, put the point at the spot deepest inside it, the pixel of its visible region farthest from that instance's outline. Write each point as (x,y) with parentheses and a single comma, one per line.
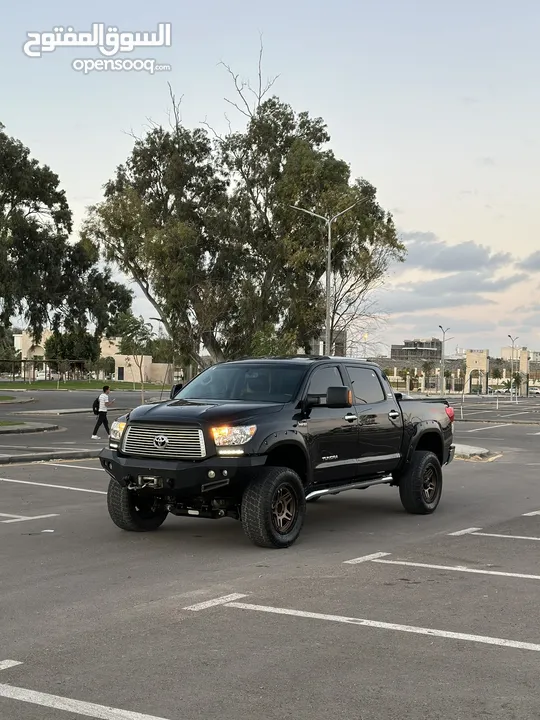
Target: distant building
(420,349)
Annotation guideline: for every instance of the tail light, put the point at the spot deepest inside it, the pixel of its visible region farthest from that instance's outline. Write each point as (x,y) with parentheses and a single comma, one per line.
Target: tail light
(450,413)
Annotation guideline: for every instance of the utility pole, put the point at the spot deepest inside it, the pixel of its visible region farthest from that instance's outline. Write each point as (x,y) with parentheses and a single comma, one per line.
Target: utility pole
(513,340)
(328,221)
(443,379)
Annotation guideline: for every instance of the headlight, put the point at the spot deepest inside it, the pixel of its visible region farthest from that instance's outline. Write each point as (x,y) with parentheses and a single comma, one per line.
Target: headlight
(117,428)
(236,435)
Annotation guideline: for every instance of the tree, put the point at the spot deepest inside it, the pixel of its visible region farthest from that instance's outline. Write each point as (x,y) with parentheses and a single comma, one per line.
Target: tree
(427,369)
(203,224)
(267,343)
(137,336)
(78,349)
(44,278)
(496,373)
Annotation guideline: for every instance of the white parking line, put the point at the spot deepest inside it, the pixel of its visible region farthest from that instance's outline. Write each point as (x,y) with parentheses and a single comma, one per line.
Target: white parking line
(77,467)
(527,412)
(58,487)
(24,518)
(531,514)
(5,664)
(213,603)
(475,531)
(458,568)
(501,642)
(468,531)
(492,427)
(365,558)
(101,712)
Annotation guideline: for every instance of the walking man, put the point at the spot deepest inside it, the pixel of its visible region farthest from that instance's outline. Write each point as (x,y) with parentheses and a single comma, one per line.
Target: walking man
(104,403)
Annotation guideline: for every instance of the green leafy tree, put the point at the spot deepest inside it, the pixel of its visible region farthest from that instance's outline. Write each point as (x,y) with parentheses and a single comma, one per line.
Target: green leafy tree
(268,342)
(78,348)
(137,338)
(427,369)
(44,278)
(204,224)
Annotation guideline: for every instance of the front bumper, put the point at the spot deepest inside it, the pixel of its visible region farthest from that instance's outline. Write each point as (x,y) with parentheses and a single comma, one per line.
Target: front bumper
(184,478)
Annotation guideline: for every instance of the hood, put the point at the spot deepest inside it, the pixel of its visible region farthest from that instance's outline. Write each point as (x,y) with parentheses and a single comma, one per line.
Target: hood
(201,411)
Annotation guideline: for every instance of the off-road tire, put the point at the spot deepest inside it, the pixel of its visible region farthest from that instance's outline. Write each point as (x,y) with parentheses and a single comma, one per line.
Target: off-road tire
(122,507)
(259,518)
(424,469)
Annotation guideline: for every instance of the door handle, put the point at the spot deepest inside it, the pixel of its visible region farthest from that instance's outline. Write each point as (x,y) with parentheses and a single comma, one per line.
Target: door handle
(393,415)
(349,417)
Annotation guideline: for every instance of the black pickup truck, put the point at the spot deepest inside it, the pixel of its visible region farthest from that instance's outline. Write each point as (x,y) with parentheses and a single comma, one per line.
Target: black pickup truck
(256,439)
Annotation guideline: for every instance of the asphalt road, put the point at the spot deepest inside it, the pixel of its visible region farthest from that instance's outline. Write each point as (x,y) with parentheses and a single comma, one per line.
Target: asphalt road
(497,409)
(434,626)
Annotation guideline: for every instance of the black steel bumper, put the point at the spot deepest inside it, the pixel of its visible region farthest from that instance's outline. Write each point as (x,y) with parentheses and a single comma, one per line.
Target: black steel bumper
(188,478)
(451,454)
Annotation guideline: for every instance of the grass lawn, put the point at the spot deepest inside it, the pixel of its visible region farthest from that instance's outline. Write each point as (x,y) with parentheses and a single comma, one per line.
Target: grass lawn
(75,385)
(7,423)
(6,398)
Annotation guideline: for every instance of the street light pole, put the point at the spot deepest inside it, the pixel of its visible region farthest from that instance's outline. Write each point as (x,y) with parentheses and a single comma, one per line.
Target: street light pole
(328,221)
(443,379)
(513,341)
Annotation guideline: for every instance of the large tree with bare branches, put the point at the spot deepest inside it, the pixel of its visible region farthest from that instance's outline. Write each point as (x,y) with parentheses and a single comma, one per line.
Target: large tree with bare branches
(204,223)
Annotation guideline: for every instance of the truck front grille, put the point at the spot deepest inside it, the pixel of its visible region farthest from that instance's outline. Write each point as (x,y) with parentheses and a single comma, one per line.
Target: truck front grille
(184,443)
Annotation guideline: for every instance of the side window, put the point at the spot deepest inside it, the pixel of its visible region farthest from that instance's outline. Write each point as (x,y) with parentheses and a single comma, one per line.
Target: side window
(322,379)
(366,386)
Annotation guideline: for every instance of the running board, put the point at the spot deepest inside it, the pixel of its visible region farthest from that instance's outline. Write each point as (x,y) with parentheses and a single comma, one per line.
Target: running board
(350,486)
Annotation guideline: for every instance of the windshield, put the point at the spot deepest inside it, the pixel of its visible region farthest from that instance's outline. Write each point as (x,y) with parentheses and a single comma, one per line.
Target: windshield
(250,383)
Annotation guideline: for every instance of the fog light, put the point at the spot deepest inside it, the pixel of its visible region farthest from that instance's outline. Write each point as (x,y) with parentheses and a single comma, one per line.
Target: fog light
(211,474)
(224,473)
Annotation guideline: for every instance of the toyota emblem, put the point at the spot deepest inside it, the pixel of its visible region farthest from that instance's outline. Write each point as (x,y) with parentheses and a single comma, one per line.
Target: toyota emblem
(160,441)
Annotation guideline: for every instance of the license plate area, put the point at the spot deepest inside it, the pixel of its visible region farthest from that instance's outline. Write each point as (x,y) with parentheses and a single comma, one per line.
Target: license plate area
(149,481)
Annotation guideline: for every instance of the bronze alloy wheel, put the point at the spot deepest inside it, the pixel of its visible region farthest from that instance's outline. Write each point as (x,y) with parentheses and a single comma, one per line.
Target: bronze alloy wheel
(429,485)
(284,509)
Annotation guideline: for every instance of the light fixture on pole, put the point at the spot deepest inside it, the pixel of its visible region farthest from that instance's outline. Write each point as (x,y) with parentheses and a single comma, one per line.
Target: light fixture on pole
(443,358)
(513,341)
(328,221)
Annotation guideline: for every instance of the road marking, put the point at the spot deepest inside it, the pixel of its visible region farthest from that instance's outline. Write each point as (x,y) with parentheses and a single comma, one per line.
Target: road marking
(510,537)
(365,558)
(101,712)
(538,433)
(536,512)
(23,518)
(468,531)
(58,487)
(217,601)
(501,642)
(493,426)
(458,568)
(5,664)
(526,412)
(78,467)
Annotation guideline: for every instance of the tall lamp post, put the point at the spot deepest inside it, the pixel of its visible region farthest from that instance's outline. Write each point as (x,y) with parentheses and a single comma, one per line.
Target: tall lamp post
(443,383)
(513,341)
(328,221)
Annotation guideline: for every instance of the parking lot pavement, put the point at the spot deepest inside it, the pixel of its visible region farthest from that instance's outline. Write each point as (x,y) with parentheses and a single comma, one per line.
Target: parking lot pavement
(98,617)
(498,409)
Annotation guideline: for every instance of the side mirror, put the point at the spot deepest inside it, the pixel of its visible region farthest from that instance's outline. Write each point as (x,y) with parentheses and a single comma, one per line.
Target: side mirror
(338,397)
(175,390)
(398,396)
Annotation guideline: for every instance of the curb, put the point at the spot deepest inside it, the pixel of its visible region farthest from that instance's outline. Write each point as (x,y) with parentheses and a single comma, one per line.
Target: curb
(28,428)
(74,411)
(46,456)
(468,452)
(17,402)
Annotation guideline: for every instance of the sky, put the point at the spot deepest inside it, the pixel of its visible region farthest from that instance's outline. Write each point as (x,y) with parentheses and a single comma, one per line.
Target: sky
(436,103)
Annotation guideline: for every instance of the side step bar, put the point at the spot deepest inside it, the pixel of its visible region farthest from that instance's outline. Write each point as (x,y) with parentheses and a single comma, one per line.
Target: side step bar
(350,486)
